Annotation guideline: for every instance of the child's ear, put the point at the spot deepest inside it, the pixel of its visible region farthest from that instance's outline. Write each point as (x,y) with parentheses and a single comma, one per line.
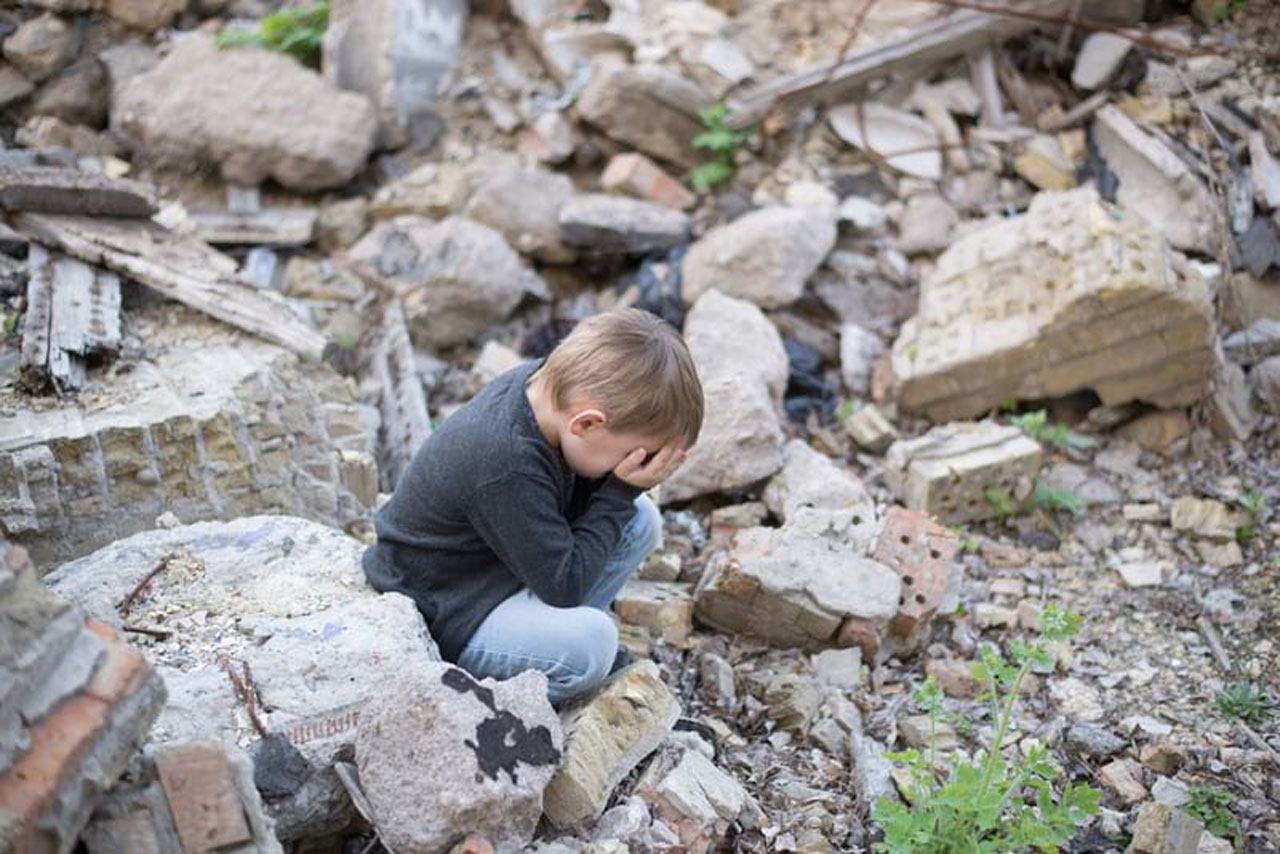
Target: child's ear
(585,420)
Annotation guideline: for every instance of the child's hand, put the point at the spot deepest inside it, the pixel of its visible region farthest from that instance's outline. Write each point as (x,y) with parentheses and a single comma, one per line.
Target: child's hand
(646,474)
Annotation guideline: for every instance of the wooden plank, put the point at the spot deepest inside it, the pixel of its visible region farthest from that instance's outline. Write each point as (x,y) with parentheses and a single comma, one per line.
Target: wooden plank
(954,35)
(277,227)
(182,268)
(406,423)
(46,189)
(206,808)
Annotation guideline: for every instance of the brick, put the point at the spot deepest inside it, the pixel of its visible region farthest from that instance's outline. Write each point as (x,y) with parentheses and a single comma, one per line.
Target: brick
(948,471)
(664,609)
(637,175)
(922,552)
(206,809)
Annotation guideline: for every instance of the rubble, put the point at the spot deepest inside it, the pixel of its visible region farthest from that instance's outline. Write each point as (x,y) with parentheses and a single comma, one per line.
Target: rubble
(1204,517)
(663,609)
(405,422)
(922,552)
(605,739)
(432,190)
(888,131)
(950,471)
(645,106)
(272,227)
(41,46)
(254,114)
(743,368)
(532,224)
(1161,829)
(1098,59)
(764,257)
(67,191)
(926,225)
(1069,266)
(638,176)
(697,799)
(1250,346)
(602,223)
(441,755)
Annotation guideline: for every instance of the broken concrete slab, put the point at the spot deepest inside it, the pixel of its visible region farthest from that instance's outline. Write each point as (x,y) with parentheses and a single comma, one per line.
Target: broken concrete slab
(607,224)
(907,142)
(743,367)
(765,256)
(869,427)
(950,471)
(442,754)
(46,189)
(214,424)
(524,204)
(926,225)
(645,106)
(254,114)
(1156,185)
(433,190)
(663,609)
(455,278)
(604,740)
(1089,300)
(810,480)
(399,54)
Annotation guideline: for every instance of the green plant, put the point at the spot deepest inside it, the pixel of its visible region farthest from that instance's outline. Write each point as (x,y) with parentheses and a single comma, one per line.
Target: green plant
(9,321)
(296,31)
(1001,500)
(1255,504)
(1213,808)
(968,545)
(990,805)
(1244,701)
(1051,499)
(346,340)
(1036,425)
(722,143)
(1225,11)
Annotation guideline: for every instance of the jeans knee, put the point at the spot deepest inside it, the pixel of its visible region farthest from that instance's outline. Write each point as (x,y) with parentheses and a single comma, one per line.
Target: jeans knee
(595,646)
(646,526)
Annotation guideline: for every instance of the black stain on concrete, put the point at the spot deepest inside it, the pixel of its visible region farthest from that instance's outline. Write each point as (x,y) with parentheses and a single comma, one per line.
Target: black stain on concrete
(502,740)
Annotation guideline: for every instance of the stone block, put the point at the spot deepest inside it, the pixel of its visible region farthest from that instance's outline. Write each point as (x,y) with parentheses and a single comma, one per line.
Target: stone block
(664,609)
(1162,829)
(607,224)
(1070,296)
(1204,517)
(869,427)
(645,106)
(947,472)
(636,175)
(792,699)
(923,553)
(604,741)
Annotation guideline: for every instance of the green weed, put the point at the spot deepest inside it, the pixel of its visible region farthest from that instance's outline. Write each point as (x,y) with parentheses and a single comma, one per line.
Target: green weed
(296,31)
(1001,500)
(1213,808)
(1244,701)
(722,144)
(1052,499)
(1036,425)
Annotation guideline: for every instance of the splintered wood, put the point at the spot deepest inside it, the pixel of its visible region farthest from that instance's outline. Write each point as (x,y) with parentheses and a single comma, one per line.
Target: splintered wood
(405,421)
(181,268)
(73,315)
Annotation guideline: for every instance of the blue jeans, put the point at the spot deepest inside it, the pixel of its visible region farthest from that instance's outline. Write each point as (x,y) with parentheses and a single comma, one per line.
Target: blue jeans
(574,647)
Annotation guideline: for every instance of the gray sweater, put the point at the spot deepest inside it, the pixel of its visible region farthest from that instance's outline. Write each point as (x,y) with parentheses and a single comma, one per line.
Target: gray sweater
(488,507)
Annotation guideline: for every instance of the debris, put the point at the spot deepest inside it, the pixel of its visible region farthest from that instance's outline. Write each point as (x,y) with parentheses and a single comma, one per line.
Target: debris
(1163,756)
(41,46)
(1266,380)
(552,138)
(859,349)
(1266,171)
(599,222)
(952,471)
(697,799)
(765,256)
(838,668)
(1157,431)
(1141,573)
(13,86)
(863,214)
(743,367)
(955,677)
(922,552)
(869,427)
(145,15)
(1204,517)
(645,106)
(405,422)
(1044,164)
(1230,403)
(1249,346)
(494,360)
(206,810)
(1162,829)
(442,754)
(991,616)
(67,191)
(792,700)
(1098,59)
(664,609)
(638,176)
(1067,265)
(926,225)
(1156,185)
(907,142)
(273,227)
(1094,740)
(524,205)
(432,190)
(605,739)
(341,223)
(399,54)
(73,315)
(255,114)
(1077,699)
(454,277)
(181,268)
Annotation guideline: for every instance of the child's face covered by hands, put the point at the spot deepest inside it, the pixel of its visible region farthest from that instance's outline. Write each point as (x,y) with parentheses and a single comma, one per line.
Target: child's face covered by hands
(646,470)
(642,461)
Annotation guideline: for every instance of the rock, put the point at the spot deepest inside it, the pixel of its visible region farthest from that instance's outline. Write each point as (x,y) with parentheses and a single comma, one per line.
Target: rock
(664,609)
(697,799)
(990,616)
(1229,405)
(1204,517)
(432,190)
(1266,171)
(1094,740)
(213,424)
(922,552)
(1171,792)
(1078,700)
(1163,756)
(1224,555)
(442,755)
(1156,184)
(341,223)
(765,256)
(77,95)
(13,86)
(716,679)
(855,288)
(125,61)
(1098,59)
(605,224)
(859,349)
(811,481)
(831,737)
(869,427)
(400,55)
(871,770)
(1250,346)
(1162,829)
(524,205)
(951,361)
(950,471)
(1044,164)
(49,132)
(811,194)
(41,46)
(455,277)
(1157,431)
(792,700)
(255,114)
(1210,844)
(145,15)
(551,138)
(645,106)
(863,214)
(888,131)
(494,360)
(917,731)
(1266,380)
(604,741)
(839,668)
(636,175)
(1143,573)
(926,225)
(955,677)
(743,367)
(1117,777)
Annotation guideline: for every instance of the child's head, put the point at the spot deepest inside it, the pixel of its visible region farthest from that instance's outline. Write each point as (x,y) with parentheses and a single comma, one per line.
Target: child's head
(621,380)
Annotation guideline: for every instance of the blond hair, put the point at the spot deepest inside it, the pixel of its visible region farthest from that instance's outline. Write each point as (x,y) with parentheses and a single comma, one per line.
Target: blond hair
(636,368)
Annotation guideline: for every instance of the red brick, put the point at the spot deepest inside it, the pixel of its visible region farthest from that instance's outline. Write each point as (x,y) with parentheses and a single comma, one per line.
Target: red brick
(473,844)
(637,175)
(922,553)
(206,809)
(864,634)
(122,670)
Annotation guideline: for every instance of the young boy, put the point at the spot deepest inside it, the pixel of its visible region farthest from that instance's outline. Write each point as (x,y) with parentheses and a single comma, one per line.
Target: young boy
(521,518)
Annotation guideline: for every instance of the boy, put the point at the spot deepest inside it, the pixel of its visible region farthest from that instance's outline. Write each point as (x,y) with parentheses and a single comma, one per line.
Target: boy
(521,518)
